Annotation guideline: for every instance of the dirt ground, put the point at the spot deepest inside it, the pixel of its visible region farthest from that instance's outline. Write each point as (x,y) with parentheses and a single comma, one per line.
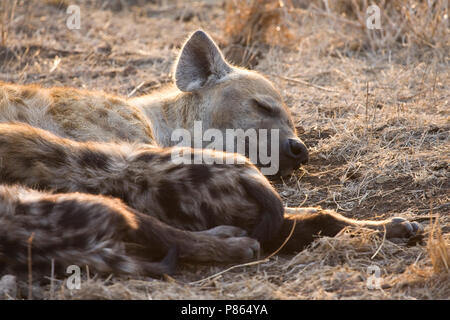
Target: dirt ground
(373,109)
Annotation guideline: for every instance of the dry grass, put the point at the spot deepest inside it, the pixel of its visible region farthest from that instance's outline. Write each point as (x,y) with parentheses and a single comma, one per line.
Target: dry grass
(373,107)
(439,249)
(7,9)
(258,22)
(406,23)
(252,25)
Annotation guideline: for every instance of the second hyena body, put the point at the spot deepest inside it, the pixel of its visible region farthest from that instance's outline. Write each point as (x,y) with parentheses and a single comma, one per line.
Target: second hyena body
(80,148)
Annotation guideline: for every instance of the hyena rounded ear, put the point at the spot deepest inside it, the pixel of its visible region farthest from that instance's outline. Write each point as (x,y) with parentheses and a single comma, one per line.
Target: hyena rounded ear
(200,63)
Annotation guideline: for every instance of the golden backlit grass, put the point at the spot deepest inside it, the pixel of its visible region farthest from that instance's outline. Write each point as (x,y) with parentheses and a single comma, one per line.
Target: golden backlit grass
(439,249)
(372,106)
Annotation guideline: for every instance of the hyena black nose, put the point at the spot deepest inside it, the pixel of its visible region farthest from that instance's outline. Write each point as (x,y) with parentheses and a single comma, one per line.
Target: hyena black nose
(298,151)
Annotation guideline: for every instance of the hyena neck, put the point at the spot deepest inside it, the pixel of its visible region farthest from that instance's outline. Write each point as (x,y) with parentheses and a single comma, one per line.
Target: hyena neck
(169,110)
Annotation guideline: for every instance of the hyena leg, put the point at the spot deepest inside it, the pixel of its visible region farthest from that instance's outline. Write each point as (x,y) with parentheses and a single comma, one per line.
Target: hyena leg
(224,232)
(313,222)
(229,245)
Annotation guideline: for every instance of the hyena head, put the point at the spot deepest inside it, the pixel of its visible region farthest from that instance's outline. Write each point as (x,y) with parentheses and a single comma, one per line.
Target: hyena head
(230,97)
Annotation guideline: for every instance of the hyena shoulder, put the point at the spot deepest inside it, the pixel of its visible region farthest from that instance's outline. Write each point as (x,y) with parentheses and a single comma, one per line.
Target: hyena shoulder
(73,113)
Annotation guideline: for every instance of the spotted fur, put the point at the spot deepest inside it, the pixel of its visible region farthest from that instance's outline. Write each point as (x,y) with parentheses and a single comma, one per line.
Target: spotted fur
(101,232)
(188,196)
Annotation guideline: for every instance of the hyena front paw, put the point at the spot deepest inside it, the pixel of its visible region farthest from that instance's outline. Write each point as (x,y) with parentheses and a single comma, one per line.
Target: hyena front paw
(225,232)
(242,248)
(398,227)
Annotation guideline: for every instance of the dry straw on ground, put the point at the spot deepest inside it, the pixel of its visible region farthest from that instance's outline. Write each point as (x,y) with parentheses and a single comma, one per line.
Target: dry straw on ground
(258,22)
(372,106)
(439,249)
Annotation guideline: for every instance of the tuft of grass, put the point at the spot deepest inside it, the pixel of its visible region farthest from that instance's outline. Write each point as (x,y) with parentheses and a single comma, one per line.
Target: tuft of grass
(252,25)
(438,249)
(7,11)
(253,22)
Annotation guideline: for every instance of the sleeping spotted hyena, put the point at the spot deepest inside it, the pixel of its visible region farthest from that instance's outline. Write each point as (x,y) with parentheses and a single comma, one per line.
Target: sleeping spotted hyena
(92,179)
